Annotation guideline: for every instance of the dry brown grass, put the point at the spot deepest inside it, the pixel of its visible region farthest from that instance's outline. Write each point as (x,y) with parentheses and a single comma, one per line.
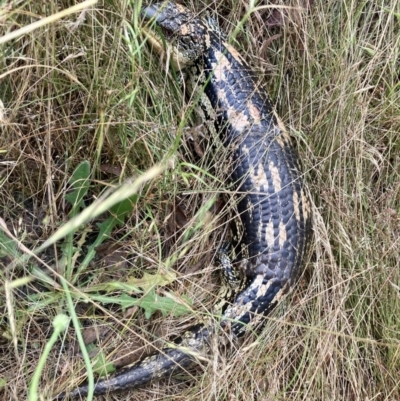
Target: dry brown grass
(78,90)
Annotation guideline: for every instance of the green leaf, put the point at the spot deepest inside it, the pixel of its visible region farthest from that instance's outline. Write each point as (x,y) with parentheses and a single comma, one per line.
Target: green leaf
(100,206)
(80,182)
(100,366)
(122,209)
(115,285)
(8,247)
(150,302)
(118,212)
(149,281)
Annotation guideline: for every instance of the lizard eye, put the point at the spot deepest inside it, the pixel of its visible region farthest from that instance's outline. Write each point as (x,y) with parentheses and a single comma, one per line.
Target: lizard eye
(167,33)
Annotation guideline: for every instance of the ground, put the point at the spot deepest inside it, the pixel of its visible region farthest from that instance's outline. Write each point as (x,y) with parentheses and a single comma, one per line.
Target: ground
(89,117)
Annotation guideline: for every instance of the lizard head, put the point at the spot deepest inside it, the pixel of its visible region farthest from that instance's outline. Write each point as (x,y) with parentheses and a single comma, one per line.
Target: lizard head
(174,29)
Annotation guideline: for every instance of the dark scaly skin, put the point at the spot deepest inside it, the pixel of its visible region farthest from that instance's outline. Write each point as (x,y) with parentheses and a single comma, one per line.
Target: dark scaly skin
(152,367)
(272,200)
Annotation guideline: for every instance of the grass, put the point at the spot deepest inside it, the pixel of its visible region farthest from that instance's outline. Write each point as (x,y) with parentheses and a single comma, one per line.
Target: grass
(84,90)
